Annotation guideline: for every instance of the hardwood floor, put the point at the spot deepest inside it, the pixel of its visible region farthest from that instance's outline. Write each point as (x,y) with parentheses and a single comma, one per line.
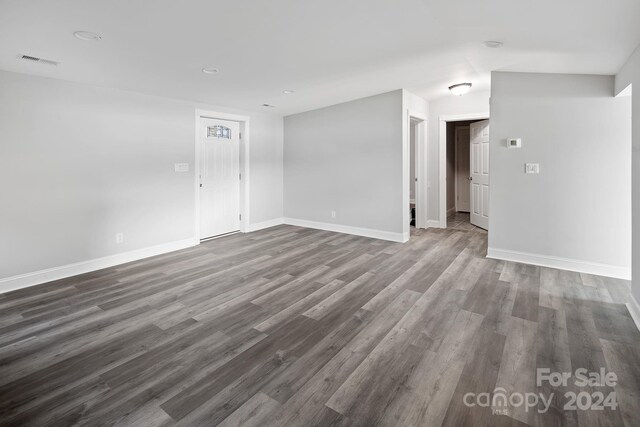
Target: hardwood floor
(298,327)
(460,221)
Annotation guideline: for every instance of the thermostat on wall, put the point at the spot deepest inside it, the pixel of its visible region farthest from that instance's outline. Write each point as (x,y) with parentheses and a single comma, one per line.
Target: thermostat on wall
(514,142)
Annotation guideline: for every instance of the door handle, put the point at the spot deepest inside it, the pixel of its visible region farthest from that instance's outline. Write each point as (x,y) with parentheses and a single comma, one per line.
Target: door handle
(470,178)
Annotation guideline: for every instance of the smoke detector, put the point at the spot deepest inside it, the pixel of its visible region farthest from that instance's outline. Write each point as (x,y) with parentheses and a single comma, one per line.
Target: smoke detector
(87,36)
(493,44)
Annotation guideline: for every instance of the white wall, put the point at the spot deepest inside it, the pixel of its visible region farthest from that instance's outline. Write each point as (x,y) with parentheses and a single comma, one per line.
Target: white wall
(266,167)
(80,163)
(352,158)
(630,74)
(471,103)
(347,158)
(577,211)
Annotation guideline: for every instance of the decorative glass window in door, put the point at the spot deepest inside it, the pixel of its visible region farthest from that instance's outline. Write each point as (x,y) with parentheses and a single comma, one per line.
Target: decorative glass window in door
(218,132)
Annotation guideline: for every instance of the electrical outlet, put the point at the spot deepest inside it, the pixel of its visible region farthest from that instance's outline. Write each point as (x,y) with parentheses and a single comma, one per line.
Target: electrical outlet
(531,168)
(119,238)
(181,167)
(333,214)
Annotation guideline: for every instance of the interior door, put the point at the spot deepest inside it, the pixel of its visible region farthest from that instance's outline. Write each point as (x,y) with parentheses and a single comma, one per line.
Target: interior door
(462,158)
(219,177)
(480,174)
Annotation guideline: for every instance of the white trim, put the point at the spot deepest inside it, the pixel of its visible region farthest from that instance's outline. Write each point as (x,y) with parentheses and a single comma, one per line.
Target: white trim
(442,158)
(634,309)
(421,164)
(347,229)
(43,276)
(265,224)
(244,121)
(627,91)
(561,263)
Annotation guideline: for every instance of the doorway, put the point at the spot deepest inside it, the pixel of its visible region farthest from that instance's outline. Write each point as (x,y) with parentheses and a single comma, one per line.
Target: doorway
(461,173)
(412,170)
(219,177)
(464,171)
(415,203)
(221,174)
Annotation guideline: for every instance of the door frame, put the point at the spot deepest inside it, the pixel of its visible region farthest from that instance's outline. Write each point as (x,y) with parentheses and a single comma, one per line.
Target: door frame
(479,178)
(244,166)
(420,164)
(442,159)
(455,161)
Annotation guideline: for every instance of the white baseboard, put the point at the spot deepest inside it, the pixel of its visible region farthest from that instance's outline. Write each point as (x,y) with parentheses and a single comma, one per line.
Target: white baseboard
(561,263)
(366,232)
(433,223)
(38,277)
(265,224)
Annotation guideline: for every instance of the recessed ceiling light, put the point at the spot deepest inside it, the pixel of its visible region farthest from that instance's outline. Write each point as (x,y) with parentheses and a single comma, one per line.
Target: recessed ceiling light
(87,36)
(460,89)
(288,91)
(493,44)
(210,70)
(268,106)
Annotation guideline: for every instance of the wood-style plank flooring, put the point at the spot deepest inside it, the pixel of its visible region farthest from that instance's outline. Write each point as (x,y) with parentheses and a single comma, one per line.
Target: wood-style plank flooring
(298,327)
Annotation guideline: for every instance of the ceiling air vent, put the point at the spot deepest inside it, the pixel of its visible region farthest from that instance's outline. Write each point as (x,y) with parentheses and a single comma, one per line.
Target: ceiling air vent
(39,60)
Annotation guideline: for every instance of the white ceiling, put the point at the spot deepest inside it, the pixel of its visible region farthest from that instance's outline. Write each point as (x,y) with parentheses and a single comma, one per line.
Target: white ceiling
(328,51)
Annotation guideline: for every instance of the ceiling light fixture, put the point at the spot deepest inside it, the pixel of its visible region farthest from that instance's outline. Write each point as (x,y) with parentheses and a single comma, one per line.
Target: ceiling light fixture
(288,91)
(460,89)
(210,70)
(493,44)
(87,36)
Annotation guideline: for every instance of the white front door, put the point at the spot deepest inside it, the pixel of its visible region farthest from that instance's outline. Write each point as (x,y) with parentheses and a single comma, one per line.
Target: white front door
(219,177)
(462,170)
(480,174)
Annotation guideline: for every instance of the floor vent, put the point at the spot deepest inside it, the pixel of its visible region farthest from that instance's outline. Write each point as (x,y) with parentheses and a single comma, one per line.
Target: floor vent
(39,60)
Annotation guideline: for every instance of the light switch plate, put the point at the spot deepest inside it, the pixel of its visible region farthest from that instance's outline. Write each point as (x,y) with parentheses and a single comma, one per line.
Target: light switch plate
(531,168)
(181,167)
